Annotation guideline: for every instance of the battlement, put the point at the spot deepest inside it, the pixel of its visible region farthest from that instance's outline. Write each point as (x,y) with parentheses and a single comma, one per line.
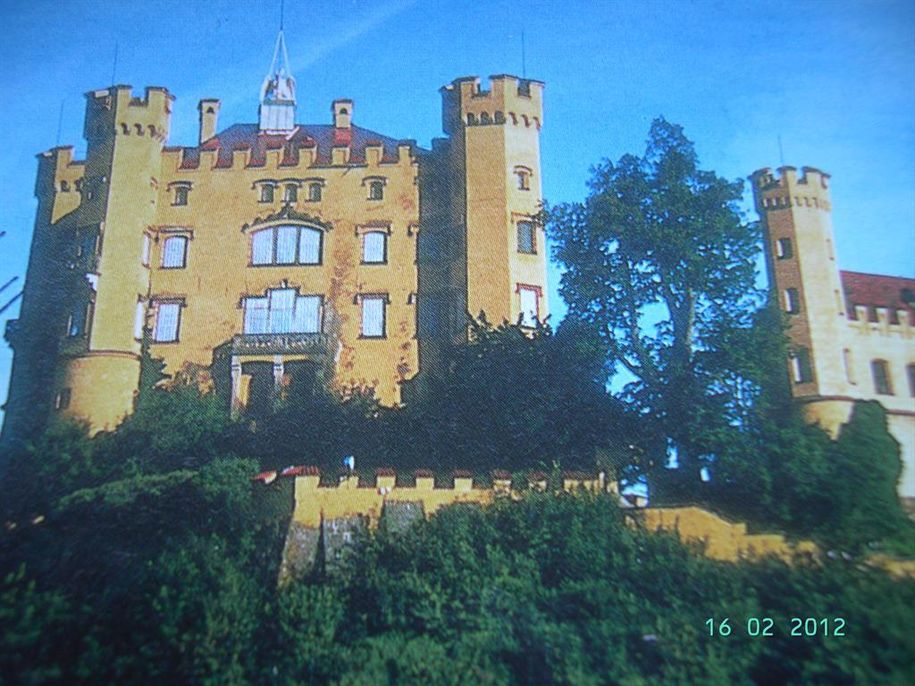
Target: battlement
(119,109)
(509,101)
(786,189)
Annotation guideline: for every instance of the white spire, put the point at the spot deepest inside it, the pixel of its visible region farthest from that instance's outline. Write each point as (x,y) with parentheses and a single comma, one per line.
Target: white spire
(277,101)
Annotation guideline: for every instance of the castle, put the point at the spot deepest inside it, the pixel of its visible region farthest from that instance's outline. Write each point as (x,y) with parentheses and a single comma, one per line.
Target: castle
(277,256)
(852,334)
(280,256)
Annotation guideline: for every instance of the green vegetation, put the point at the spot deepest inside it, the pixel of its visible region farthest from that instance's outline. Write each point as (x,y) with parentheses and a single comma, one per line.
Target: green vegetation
(144,555)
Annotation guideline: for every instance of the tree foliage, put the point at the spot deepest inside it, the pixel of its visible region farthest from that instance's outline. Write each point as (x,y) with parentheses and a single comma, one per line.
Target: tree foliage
(659,263)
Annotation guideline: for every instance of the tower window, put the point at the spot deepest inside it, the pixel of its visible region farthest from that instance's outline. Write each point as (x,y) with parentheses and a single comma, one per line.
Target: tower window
(286,245)
(881,372)
(527,238)
(267,193)
(524,179)
(529,297)
(801,367)
(168,322)
(174,252)
(376,190)
(291,193)
(282,310)
(139,320)
(783,248)
(62,399)
(76,321)
(374,247)
(911,372)
(314,192)
(373,316)
(181,193)
(792,301)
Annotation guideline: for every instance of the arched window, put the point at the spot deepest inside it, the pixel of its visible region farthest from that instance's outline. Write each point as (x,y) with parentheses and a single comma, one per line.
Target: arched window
(289,244)
(883,384)
(174,252)
(314,192)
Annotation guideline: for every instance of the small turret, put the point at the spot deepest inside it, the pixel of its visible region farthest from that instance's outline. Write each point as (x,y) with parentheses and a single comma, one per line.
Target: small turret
(277,108)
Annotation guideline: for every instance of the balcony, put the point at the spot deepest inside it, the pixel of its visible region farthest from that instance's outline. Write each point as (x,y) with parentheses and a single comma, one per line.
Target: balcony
(278,344)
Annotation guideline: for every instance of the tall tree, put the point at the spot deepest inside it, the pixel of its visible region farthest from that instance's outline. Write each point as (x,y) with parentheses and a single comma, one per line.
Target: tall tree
(659,261)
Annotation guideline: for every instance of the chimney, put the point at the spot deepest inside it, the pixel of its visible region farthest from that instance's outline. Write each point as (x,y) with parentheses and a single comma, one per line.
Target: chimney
(343,112)
(209,111)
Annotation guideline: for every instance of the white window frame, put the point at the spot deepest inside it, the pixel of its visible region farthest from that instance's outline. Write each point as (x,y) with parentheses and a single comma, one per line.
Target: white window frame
(367,326)
(536,293)
(159,334)
(375,235)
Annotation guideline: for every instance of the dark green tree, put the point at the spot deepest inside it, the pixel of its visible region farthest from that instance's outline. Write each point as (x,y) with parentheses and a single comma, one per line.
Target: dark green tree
(659,262)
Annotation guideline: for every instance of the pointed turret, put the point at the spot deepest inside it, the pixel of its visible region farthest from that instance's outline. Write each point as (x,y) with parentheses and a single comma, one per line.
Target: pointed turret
(277,101)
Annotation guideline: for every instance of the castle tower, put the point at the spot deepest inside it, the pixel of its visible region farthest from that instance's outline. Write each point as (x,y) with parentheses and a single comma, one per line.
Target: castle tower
(100,360)
(804,275)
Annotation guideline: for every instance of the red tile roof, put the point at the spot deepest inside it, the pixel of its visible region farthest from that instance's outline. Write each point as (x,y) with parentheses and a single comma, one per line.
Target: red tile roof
(320,136)
(875,290)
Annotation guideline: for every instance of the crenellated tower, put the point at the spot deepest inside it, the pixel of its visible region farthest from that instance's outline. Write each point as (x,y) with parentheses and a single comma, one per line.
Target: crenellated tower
(100,362)
(482,248)
(804,275)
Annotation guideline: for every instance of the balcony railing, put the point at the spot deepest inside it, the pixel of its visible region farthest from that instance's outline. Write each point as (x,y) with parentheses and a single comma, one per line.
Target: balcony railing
(279,344)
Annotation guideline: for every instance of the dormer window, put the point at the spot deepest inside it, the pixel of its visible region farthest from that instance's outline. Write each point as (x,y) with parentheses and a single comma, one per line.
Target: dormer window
(180,191)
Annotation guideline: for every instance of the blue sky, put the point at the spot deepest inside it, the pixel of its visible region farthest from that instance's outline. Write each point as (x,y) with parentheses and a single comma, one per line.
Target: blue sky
(834,79)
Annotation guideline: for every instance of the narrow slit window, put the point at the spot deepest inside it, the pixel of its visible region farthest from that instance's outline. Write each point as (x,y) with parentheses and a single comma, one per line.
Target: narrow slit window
(792,301)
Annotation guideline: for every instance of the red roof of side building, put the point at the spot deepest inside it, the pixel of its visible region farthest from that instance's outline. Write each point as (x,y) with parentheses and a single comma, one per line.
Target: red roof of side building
(324,137)
(875,290)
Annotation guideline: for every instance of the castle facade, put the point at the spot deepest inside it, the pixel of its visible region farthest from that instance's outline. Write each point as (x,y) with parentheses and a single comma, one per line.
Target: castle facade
(277,256)
(852,334)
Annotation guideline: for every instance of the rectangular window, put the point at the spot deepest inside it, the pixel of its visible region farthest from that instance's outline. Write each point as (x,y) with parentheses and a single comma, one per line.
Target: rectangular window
(526,238)
(849,364)
(374,247)
(174,252)
(180,195)
(282,303)
(291,193)
(267,193)
(911,371)
(262,247)
(309,246)
(314,192)
(256,315)
(139,320)
(168,317)
(146,248)
(792,301)
(881,373)
(373,316)
(800,365)
(307,315)
(783,249)
(286,238)
(530,305)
